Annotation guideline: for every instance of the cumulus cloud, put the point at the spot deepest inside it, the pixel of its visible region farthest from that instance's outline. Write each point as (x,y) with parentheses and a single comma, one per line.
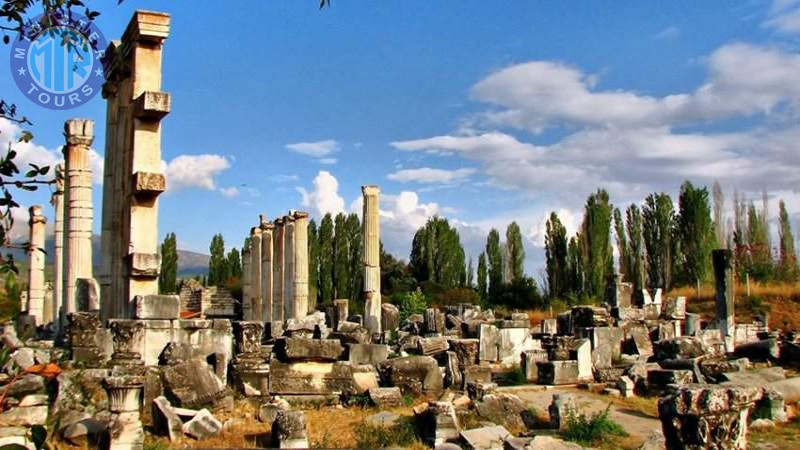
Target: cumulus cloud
(229,192)
(194,171)
(430,175)
(320,150)
(324,197)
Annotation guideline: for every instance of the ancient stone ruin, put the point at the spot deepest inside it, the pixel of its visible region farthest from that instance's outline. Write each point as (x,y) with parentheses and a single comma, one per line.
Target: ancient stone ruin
(171,362)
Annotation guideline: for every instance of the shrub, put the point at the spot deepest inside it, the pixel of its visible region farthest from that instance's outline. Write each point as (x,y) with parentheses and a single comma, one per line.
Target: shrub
(592,430)
(756,305)
(516,377)
(410,303)
(401,434)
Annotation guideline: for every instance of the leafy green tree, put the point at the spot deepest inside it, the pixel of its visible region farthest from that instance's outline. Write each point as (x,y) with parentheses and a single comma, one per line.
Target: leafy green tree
(695,231)
(168,278)
(437,254)
(354,265)
(520,293)
(470,274)
(341,257)
(515,252)
(596,243)
(326,260)
(636,255)
(622,245)
(787,258)
(482,274)
(576,264)
(658,223)
(494,259)
(759,244)
(313,265)
(557,265)
(234,263)
(218,269)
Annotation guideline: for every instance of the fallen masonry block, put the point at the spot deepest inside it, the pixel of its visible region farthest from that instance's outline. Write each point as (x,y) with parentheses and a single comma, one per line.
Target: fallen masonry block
(386,397)
(193,383)
(304,349)
(485,438)
(202,426)
(367,353)
(289,430)
(413,374)
(558,372)
(438,423)
(165,420)
(661,378)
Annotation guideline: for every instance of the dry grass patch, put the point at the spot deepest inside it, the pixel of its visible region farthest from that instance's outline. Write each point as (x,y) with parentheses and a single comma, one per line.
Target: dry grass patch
(335,427)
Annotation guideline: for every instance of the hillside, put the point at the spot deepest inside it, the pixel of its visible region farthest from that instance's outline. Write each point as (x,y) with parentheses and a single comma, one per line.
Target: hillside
(189,263)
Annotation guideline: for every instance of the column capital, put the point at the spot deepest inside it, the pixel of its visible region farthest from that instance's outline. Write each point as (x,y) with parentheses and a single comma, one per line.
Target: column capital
(79,131)
(36,216)
(372,189)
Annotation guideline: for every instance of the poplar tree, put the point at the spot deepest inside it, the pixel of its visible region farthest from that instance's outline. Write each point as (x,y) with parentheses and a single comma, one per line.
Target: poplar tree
(515,252)
(313,265)
(658,222)
(470,274)
(576,264)
(494,259)
(622,245)
(217,263)
(356,275)
(557,266)
(168,278)
(341,257)
(482,274)
(636,265)
(596,243)
(234,263)
(758,244)
(696,232)
(326,260)
(437,254)
(787,259)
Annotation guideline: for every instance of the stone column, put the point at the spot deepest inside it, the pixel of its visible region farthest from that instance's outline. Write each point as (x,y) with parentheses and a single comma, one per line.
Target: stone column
(133,167)
(255,274)
(246,283)
(78,212)
(266,270)
(277,270)
(288,268)
(124,402)
(300,288)
(36,287)
(370,234)
(57,200)
(723,276)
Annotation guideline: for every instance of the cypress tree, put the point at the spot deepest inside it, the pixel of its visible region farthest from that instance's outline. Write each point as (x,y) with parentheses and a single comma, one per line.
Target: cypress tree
(787,261)
(326,260)
(313,265)
(354,265)
(494,259)
(636,255)
(622,245)
(696,232)
(596,243)
(168,278)
(557,267)
(515,252)
(482,274)
(234,263)
(341,257)
(217,263)
(658,222)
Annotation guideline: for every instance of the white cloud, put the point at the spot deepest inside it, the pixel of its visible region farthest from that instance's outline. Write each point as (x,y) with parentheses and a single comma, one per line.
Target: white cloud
(194,171)
(430,175)
(668,33)
(328,161)
(324,197)
(570,219)
(230,192)
(784,16)
(282,178)
(317,149)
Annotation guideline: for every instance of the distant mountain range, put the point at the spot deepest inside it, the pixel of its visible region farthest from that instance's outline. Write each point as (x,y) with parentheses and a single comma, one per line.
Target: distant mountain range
(189,263)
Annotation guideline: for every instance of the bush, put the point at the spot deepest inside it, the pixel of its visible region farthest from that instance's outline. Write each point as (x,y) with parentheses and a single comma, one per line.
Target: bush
(410,303)
(401,434)
(756,305)
(516,377)
(522,293)
(592,430)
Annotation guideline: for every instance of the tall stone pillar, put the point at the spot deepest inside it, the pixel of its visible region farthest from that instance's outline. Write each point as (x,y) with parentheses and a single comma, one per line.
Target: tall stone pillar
(246,313)
(725,299)
(277,270)
(78,214)
(300,282)
(255,274)
(133,168)
(36,288)
(371,256)
(266,271)
(288,268)
(57,200)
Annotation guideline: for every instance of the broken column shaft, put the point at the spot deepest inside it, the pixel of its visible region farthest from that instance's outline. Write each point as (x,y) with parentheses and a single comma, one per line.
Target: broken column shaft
(255,274)
(371,258)
(266,271)
(58,250)
(724,282)
(36,264)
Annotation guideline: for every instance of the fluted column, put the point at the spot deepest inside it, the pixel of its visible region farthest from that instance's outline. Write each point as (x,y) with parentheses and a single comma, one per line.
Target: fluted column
(36,287)
(255,274)
(300,289)
(57,201)
(371,243)
(722,260)
(246,273)
(288,268)
(266,270)
(277,270)
(79,213)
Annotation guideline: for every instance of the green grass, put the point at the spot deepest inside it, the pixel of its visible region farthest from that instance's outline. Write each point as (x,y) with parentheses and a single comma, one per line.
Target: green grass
(594,430)
(403,434)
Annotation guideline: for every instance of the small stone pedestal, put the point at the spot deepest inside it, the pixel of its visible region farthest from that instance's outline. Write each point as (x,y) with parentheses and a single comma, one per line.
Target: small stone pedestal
(124,400)
(250,365)
(127,335)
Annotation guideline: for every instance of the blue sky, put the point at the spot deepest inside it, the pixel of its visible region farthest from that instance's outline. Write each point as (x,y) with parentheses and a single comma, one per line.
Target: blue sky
(482,112)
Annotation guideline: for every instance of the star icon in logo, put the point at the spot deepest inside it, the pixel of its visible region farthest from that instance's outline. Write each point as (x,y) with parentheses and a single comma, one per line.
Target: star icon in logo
(98,72)
(21,71)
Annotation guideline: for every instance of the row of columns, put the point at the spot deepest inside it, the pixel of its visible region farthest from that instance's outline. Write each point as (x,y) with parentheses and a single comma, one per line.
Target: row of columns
(275,281)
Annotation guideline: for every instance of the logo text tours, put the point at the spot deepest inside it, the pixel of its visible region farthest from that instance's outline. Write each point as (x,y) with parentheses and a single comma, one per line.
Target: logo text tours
(58,60)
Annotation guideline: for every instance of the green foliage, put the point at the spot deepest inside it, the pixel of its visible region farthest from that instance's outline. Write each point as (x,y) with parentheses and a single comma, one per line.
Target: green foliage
(515,252)
(437,254)
(658,224)
(218,267)
(10,298)
(756,305)
(402,434)
(595,243)
(341,257)
(313,265)
(636,270)
(516,377)
(494,259)
(695,231)
(787,258)
(167,279)
(482,274)
(234,263)
(594,430)
(410,303)
(326,260)
(354,265)
(408,399)
(557,265)
(395,275)
(622,245)
(522,293)
(758,244)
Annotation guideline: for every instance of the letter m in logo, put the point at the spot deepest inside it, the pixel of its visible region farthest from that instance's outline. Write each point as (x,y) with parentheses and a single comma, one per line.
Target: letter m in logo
(19,53)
